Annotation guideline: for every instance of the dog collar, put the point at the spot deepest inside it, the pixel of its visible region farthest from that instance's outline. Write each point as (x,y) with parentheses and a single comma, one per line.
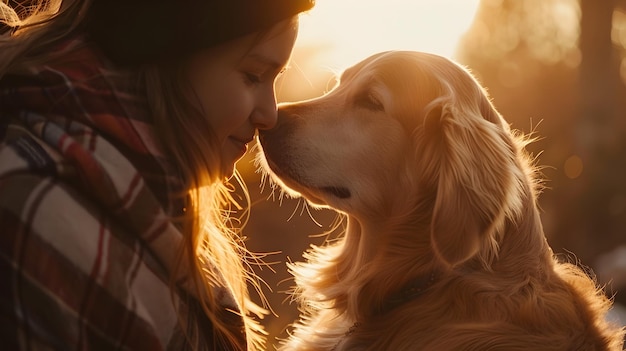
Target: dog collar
(410,291)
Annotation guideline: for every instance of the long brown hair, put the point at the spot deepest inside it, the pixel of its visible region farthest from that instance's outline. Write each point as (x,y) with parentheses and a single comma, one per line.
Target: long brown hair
(211,232)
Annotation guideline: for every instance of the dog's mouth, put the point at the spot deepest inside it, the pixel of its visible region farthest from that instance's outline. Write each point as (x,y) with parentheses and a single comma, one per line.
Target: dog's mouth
(282,165)
(338,191)
(294,181)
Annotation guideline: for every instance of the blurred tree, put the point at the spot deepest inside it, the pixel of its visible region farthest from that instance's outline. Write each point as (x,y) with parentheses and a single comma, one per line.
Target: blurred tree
(600,136)
(558,62)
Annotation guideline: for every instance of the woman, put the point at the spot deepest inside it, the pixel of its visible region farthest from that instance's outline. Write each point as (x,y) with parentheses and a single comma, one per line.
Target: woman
(120,124)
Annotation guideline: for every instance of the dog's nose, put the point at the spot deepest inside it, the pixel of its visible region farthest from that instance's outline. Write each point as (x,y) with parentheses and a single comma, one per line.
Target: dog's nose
(281,115)
(282,127)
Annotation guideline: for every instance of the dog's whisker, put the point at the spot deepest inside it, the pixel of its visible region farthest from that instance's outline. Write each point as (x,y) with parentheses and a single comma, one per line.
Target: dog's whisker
(308,210)
(303,206)
(295,65)
(295,210)
(272,194)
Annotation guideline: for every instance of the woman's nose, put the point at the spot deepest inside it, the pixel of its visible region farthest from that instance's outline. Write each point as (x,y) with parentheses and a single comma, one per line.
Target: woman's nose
(266,115)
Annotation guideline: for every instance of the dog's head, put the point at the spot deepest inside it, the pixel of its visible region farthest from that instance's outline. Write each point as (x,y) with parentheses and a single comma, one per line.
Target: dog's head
(404,134)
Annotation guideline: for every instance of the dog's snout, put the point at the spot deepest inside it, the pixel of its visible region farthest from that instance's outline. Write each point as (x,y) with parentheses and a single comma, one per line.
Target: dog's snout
(273,140)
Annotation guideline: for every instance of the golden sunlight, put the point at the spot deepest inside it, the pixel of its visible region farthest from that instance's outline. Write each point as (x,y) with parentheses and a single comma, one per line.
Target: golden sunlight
(336,34)
(346,31)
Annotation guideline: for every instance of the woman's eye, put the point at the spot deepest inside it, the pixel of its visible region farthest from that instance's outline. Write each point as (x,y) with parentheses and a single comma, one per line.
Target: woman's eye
(369,101)
(252,78)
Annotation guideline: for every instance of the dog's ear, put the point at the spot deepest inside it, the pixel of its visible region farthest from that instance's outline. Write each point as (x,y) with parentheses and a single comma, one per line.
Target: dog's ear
(477,179)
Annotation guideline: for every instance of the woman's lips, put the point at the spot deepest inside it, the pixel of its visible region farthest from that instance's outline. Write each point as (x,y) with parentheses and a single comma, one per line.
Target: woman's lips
(242,145)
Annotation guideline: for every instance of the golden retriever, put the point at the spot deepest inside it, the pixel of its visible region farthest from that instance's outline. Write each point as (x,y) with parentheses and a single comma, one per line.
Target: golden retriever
(444,247)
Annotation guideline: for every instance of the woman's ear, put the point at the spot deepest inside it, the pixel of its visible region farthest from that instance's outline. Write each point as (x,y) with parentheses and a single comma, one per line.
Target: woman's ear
(477,180)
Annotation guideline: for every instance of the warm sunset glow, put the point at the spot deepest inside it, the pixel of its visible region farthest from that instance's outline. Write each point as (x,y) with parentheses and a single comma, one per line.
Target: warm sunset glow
(336,34)
(349,30)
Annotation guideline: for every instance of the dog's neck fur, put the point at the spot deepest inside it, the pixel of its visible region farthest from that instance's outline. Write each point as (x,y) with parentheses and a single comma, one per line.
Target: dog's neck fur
(368,295)
(348,301)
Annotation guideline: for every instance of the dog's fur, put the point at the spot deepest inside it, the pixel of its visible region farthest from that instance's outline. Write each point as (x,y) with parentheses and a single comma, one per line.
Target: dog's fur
(440,197)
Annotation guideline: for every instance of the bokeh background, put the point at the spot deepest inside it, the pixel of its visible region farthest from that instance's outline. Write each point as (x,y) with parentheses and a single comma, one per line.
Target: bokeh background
(556,68)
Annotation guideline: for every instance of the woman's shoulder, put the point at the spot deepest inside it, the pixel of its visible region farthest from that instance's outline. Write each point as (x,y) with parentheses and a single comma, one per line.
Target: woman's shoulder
(77,261)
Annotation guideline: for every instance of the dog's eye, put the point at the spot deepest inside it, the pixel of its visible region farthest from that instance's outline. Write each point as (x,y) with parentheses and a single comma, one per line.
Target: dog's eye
(370,101)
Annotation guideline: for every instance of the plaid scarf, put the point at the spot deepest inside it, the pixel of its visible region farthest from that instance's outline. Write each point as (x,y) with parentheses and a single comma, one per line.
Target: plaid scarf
(87,246)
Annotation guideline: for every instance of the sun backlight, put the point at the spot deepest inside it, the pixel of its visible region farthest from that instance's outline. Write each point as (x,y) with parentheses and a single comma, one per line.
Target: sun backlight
(347,31)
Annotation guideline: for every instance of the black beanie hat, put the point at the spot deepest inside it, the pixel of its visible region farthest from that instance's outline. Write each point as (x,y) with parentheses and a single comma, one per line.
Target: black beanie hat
(131,32)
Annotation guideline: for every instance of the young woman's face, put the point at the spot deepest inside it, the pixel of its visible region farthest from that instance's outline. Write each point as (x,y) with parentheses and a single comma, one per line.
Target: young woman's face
(234,84)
